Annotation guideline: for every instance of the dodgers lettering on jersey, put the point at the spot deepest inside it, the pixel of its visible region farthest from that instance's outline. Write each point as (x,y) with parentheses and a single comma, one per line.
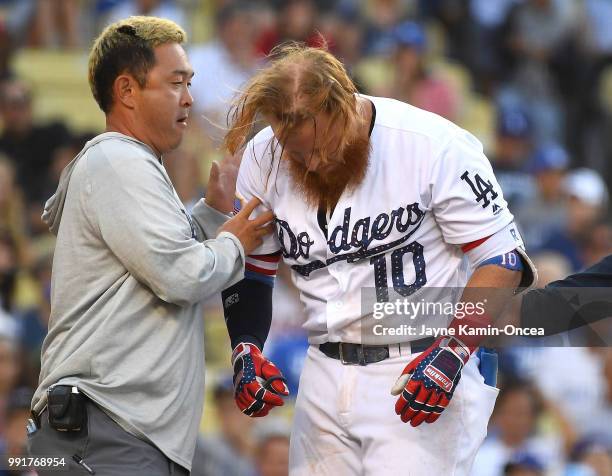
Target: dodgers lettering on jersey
(428,190)
(355,242)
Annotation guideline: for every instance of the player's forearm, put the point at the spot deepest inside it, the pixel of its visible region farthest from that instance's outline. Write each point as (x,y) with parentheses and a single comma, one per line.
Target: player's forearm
(248,312)
(490,288)
(492,282)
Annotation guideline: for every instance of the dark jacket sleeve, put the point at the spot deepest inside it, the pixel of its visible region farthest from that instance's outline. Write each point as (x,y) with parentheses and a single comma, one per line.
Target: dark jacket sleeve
(569,303)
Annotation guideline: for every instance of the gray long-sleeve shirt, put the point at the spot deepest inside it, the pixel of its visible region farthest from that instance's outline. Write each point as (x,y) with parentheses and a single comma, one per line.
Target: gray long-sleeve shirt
(129,271)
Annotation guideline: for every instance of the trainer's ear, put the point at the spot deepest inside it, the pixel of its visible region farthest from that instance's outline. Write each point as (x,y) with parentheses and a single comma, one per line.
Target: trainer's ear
(125,90)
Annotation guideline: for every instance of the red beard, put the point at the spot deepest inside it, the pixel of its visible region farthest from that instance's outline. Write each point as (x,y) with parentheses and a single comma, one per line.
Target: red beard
(326,188)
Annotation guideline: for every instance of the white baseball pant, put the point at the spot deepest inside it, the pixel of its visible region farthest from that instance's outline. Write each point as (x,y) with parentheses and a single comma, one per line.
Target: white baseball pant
(345,422)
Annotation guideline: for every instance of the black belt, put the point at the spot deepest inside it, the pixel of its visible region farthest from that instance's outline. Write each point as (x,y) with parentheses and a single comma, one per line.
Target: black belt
(359,354)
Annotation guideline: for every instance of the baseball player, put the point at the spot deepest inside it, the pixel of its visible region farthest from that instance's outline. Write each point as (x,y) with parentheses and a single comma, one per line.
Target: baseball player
(368,193)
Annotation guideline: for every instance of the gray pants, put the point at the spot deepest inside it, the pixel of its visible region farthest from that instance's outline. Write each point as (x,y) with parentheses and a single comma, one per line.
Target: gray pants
(103,445)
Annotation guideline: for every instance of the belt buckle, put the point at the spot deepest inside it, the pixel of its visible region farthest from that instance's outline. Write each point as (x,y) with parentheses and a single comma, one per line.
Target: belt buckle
(360,355)
(342,361)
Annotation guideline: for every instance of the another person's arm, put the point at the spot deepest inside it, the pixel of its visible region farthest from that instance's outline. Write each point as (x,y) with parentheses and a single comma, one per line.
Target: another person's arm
(575,301)
(136,212)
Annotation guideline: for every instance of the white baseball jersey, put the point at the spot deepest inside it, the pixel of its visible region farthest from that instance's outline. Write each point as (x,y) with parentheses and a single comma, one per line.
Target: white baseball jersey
(428,190)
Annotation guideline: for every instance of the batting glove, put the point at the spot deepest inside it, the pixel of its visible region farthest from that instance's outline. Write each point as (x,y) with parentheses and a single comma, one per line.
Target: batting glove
(258,384)
(427,384)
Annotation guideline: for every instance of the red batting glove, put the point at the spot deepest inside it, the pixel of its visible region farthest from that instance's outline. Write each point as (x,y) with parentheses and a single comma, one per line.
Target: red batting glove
(258,384)
(427,384)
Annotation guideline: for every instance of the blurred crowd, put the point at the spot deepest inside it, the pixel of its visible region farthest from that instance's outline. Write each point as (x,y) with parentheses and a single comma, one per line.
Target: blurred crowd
(532,79)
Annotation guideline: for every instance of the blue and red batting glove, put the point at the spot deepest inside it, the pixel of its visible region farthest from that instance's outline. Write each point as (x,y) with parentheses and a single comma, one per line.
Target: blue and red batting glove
(427,384)
(258,384)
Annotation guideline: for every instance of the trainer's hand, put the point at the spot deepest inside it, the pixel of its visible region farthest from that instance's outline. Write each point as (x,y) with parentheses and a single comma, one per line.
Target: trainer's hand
(221,189)
(250,232)
(427,384)
(258,384)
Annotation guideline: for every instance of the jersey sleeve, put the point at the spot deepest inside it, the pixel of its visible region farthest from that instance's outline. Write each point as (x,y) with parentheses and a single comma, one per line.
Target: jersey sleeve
(252,183)
(466,200)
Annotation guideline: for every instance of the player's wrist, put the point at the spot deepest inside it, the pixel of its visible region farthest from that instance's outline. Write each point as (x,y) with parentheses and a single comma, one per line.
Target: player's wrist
(457,348)
(246,339)
(470,330)
(242,349)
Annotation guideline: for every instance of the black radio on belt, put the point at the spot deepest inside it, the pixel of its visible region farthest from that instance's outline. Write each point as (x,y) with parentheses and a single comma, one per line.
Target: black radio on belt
(66,406)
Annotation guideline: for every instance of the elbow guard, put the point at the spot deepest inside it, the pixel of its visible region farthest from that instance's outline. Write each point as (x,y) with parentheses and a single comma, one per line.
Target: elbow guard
(506,249)
(511,260)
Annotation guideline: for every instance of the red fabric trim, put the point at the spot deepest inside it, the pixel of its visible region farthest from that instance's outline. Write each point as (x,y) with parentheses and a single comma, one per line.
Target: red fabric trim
(256,269)
(474,244)
(272,258)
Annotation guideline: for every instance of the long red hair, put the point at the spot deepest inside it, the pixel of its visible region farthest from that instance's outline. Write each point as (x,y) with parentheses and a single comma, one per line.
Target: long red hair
(297,84)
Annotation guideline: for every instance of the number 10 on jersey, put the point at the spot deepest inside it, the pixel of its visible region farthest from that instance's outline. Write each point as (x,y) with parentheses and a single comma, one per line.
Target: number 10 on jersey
(397,258)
